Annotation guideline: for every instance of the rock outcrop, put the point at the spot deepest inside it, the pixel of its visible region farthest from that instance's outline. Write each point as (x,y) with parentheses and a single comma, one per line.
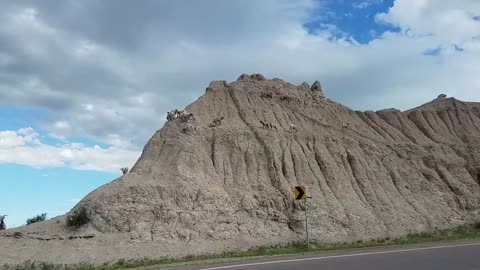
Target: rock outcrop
(198,188)
(317,89)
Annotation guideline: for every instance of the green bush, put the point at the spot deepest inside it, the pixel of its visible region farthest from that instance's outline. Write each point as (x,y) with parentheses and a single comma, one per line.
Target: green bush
(37,218)
(78,218)
(476,226)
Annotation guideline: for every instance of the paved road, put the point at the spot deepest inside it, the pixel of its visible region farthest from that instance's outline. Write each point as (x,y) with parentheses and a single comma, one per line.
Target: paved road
(441,256)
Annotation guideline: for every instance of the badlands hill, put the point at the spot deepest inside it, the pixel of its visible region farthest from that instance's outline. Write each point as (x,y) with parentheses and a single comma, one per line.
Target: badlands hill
(199,188)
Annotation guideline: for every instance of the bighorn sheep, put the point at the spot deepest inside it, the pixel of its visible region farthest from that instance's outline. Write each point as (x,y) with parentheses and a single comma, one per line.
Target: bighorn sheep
(216,122)
(293,128)
(170,116)
(268,125)
(266,95)
(2,223)
(263,123)
(185,116)
(286,98)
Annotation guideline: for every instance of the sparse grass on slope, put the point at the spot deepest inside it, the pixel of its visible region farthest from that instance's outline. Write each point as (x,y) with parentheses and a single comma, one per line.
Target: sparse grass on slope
(459,233)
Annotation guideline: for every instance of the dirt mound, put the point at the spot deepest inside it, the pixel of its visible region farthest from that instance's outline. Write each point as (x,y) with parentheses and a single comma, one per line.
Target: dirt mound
(223,179)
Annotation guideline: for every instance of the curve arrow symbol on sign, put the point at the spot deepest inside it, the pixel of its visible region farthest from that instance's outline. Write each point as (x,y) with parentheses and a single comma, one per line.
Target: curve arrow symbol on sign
(299,192)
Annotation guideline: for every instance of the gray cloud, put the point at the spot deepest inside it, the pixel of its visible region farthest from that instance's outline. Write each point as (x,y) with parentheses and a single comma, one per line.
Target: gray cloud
(109,70)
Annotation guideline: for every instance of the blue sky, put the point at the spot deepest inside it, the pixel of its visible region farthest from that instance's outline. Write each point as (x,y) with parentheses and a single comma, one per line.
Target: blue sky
(31,191)
(355,19)
(80,98)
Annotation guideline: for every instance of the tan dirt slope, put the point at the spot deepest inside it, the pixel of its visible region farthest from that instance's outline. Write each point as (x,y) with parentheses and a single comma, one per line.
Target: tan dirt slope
(199,189)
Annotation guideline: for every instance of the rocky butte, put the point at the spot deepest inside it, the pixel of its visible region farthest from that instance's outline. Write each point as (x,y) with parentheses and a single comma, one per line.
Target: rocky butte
(205,186)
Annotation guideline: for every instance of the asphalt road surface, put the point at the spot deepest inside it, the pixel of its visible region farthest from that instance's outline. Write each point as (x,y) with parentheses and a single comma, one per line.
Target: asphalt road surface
(441,256)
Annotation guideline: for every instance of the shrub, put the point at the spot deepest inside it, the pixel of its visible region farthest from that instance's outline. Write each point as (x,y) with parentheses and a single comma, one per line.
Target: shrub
(78,218)
(124,170)
(37,218)
(476,225)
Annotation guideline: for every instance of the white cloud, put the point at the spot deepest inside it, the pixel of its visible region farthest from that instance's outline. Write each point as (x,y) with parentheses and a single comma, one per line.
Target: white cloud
(23,147)
(366,4)
(10,139)
(17,138)
(61,125)
(361,5)
(88,107)
(448,21)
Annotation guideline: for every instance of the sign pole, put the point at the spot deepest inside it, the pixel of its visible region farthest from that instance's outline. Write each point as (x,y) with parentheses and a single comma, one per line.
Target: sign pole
(306,224)
(300,194)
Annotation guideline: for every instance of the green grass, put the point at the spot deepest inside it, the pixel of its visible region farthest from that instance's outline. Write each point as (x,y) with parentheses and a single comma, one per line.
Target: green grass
(459,233)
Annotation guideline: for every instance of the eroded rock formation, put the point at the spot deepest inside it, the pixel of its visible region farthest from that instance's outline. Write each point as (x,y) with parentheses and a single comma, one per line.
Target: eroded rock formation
(230,186)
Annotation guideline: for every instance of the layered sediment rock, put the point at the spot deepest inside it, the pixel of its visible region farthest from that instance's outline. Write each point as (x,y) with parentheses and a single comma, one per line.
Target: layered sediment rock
(230,186)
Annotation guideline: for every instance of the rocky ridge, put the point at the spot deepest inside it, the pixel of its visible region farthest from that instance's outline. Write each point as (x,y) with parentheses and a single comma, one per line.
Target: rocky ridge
(199,188)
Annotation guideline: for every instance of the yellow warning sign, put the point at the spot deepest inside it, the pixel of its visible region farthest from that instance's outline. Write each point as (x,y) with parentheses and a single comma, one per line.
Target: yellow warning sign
(299,192)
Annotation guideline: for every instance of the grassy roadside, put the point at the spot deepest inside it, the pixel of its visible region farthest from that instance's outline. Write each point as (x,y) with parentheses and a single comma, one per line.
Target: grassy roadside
(460,233)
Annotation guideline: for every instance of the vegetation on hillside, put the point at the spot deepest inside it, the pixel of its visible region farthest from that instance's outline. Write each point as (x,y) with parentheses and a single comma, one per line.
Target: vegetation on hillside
(37,218)
(78,218)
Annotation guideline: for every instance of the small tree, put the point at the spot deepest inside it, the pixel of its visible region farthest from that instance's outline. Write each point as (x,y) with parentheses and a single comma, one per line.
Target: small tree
(3,226)
(78,218)
(124,170)
(37,218)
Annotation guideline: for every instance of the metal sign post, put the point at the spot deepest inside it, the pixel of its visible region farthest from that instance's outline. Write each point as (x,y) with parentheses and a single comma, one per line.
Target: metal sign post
(306,222)
(300,194)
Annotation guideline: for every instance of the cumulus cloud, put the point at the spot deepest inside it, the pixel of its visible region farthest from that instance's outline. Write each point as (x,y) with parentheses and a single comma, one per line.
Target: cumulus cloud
(449,22)
(112,78)
(24,146)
